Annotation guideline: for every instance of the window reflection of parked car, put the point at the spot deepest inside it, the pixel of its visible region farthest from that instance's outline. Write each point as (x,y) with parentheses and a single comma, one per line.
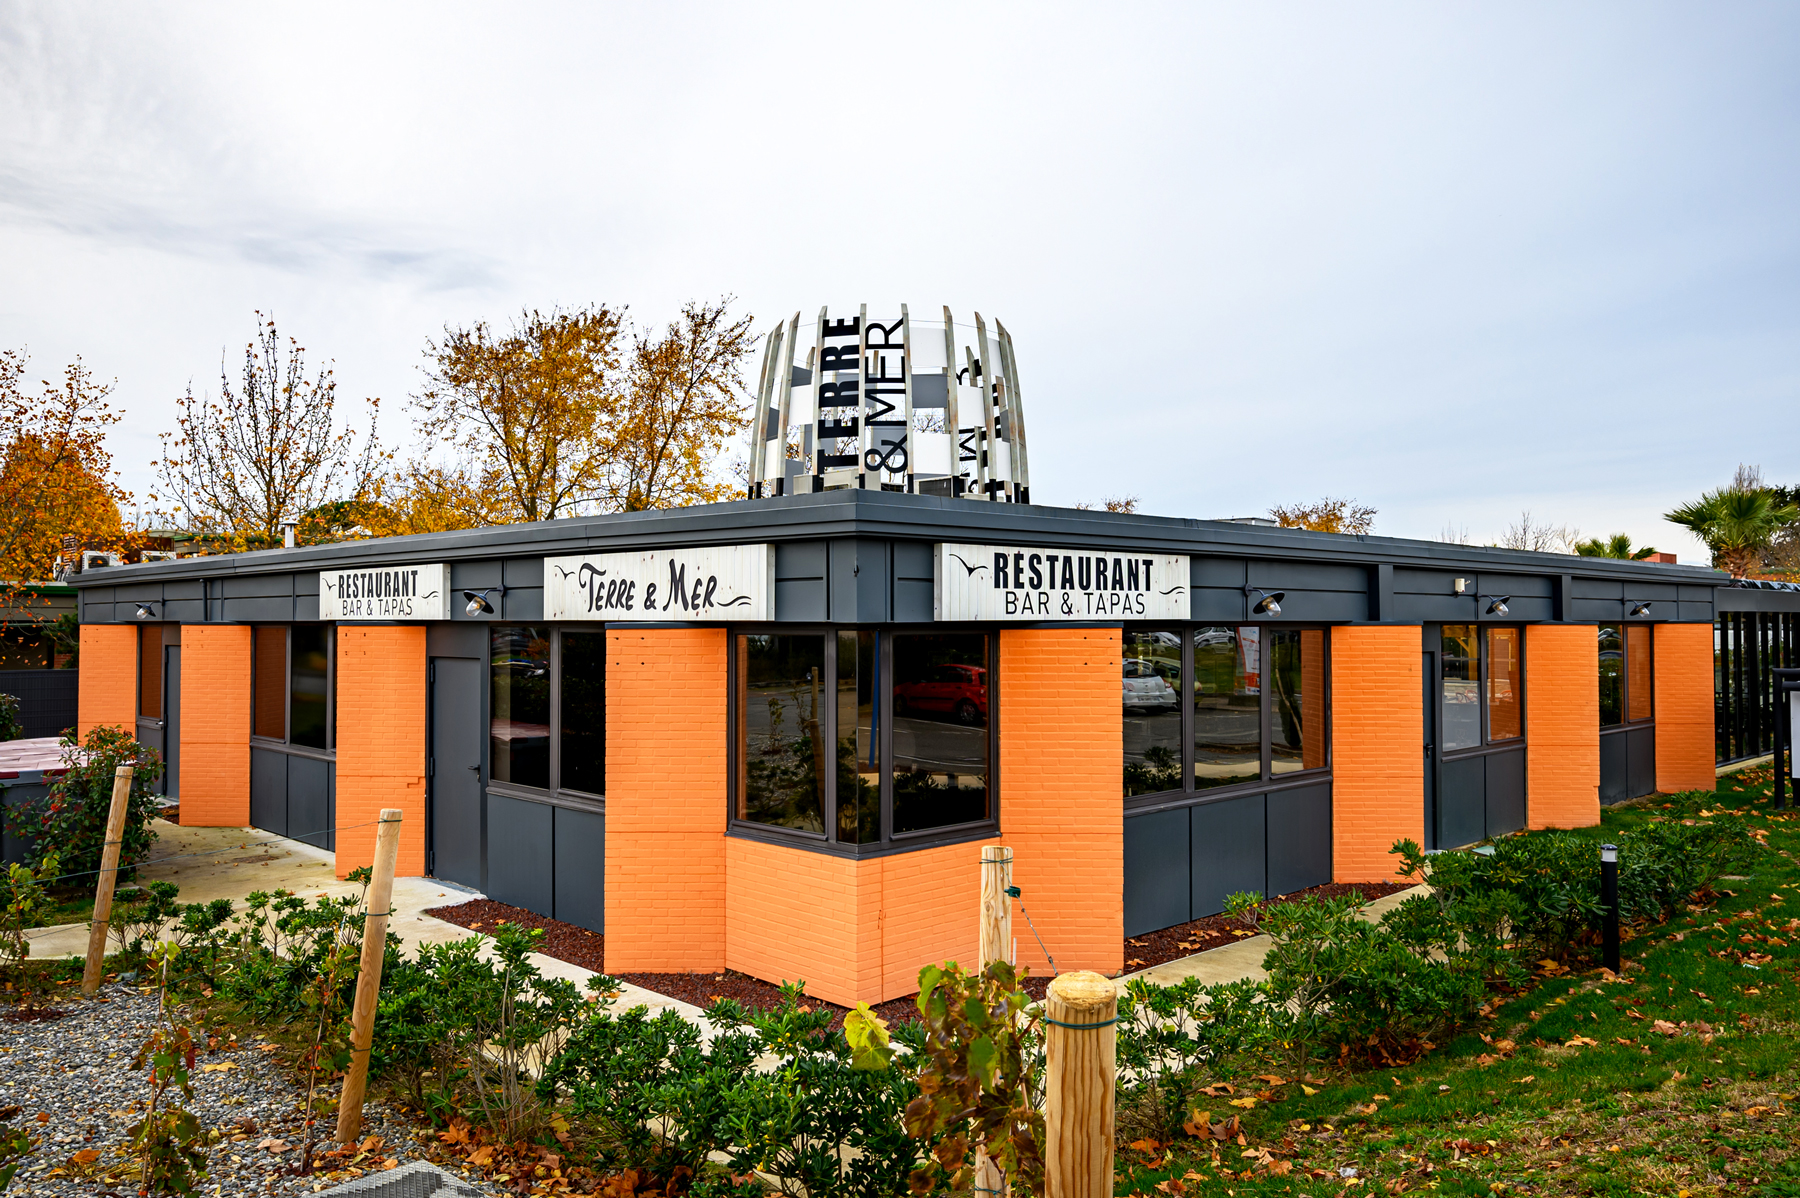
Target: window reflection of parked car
(1146,685)
(960,691)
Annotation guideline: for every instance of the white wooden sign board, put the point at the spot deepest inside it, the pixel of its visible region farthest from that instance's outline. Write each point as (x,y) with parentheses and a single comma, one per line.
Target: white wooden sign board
(385,593)
(715,582)
(1011,582)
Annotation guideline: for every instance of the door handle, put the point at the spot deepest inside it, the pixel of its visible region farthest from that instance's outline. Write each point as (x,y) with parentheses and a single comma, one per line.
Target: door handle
(474,769)
(1428,749)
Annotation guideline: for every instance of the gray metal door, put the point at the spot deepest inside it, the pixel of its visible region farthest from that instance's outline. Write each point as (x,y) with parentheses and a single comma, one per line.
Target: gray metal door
(172,721)
(455,768)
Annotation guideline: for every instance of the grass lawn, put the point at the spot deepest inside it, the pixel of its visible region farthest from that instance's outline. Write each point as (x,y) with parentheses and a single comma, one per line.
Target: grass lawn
(1676,1079)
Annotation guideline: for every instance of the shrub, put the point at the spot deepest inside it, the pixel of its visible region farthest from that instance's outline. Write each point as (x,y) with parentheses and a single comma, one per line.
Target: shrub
(71,819)
(1174,1039)
(10,727)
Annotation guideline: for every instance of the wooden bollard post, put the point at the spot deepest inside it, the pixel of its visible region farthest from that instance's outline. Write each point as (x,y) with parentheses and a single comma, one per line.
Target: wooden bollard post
(368,978)
(109,878)
(1080,1046)
(996,945)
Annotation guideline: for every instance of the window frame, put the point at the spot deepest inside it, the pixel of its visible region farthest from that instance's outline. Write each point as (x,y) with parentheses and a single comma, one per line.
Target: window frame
(1625,655)
(285,742)
(889,841)
(556,794)
(1487,743)
(1267,780)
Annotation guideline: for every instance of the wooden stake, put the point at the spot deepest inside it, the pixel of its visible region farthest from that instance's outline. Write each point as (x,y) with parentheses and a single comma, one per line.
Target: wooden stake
(109,878)
(368,979)
(996,943)
(1080,1046)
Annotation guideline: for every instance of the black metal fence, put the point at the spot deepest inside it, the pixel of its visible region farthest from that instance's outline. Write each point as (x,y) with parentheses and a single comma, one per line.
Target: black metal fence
(1747,645)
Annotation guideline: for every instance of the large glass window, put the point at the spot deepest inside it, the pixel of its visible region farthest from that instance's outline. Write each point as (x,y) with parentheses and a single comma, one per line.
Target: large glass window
(1222,705)
(940,730)
(150,663)
(781,760)
(858,747)
(1640,703)
(1504,671)
(1627,683)
(1612,676)
(1297,672)
(269,699)
(309,674)
(581,744)
(1227,705)
(908,716)
(519,705)
(1462,686)
(1151,692)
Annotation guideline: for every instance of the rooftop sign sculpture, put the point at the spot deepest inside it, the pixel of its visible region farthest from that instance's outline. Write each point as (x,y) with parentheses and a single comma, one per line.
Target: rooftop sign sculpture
(889,403)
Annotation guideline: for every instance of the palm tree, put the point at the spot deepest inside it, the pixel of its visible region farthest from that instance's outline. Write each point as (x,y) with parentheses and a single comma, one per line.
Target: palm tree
(1618,545)
(1737,525)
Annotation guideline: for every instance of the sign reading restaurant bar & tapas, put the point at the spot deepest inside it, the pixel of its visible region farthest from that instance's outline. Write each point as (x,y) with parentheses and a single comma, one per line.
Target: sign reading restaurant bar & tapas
(1011,582)
(385,593)
(717,582)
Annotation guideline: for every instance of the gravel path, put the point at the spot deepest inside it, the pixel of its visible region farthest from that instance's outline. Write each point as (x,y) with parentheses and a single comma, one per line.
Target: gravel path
(76,1071)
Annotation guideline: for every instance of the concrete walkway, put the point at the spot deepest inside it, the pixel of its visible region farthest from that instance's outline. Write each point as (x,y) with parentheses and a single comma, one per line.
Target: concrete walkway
(1229,962)
(210,863)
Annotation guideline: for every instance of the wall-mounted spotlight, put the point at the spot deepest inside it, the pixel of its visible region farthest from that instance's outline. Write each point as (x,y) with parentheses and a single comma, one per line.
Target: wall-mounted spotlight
(1641,609)
(1498,606)
(478,601)
(1269,604)
(146,612)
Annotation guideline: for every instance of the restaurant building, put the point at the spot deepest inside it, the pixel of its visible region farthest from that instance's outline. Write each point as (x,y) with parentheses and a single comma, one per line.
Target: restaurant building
(770,735)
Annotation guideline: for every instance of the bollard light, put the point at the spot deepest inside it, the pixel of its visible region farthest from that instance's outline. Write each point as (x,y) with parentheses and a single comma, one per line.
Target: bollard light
(1609,899)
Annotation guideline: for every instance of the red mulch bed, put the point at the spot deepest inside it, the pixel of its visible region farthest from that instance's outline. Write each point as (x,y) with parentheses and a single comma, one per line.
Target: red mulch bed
(578,946)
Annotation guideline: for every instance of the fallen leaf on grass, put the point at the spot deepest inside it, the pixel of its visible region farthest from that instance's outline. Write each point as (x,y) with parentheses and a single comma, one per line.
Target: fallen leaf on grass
(1664,1027)
(1246,1102)
(1529,1077)
(1218,1089)
(1272,1079)
(1581,1042)
(1307,1090)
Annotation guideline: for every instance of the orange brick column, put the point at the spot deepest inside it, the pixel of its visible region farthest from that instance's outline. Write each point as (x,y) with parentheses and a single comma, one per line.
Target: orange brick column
(381,705)
(1377,746)
(215,725)
(1683,661)
(107,694)
(665,800)
(1062,806)
(1562,725)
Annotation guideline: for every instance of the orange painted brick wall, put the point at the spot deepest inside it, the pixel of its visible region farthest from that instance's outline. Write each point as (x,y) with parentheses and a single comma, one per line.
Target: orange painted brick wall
(382,694)
(1377,747)
(215,725)
(1562,725)
(928,911)
(108,685)
(1684,707)
(1061,805)
(665,800)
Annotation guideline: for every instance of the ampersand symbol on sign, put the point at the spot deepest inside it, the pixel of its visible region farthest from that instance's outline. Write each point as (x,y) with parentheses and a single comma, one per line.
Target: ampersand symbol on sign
(1068,608)
(876,459)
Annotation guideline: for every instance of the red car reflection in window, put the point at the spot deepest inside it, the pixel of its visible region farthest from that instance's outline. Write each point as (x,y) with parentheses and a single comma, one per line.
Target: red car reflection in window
(959,691)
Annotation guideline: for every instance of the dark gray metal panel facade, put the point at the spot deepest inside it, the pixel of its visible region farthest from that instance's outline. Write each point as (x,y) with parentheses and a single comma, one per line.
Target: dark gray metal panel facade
(800,589)
(1640,752)
(580,868)
(309,799)
(273,610)
(1157,863)
(1505,784)
(455,640)
(1615,768)
(1230,843)
(268,790)
(519,858)
(1299,838)
(913,566)
(1462,802)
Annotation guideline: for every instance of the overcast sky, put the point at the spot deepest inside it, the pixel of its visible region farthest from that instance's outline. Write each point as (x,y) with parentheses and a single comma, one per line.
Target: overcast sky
(1452,260)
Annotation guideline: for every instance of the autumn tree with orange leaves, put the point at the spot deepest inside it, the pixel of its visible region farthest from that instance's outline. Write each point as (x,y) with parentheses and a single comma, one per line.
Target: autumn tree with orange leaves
(552,419)
(56,478)
(269,449)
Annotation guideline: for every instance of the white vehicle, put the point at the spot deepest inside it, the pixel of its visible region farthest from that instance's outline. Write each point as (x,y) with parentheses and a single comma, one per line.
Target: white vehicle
(1145,689)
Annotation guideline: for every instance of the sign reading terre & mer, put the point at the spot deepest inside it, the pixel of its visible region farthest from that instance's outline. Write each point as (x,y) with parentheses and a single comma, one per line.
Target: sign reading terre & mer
(1009,582)
(717,582)
(385,593)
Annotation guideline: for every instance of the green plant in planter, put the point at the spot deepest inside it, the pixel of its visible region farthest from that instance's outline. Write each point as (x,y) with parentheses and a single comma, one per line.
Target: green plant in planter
(71,818)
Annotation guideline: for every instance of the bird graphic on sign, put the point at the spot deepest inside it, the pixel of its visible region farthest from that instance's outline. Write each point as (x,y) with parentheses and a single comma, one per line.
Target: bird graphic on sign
(966,566)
